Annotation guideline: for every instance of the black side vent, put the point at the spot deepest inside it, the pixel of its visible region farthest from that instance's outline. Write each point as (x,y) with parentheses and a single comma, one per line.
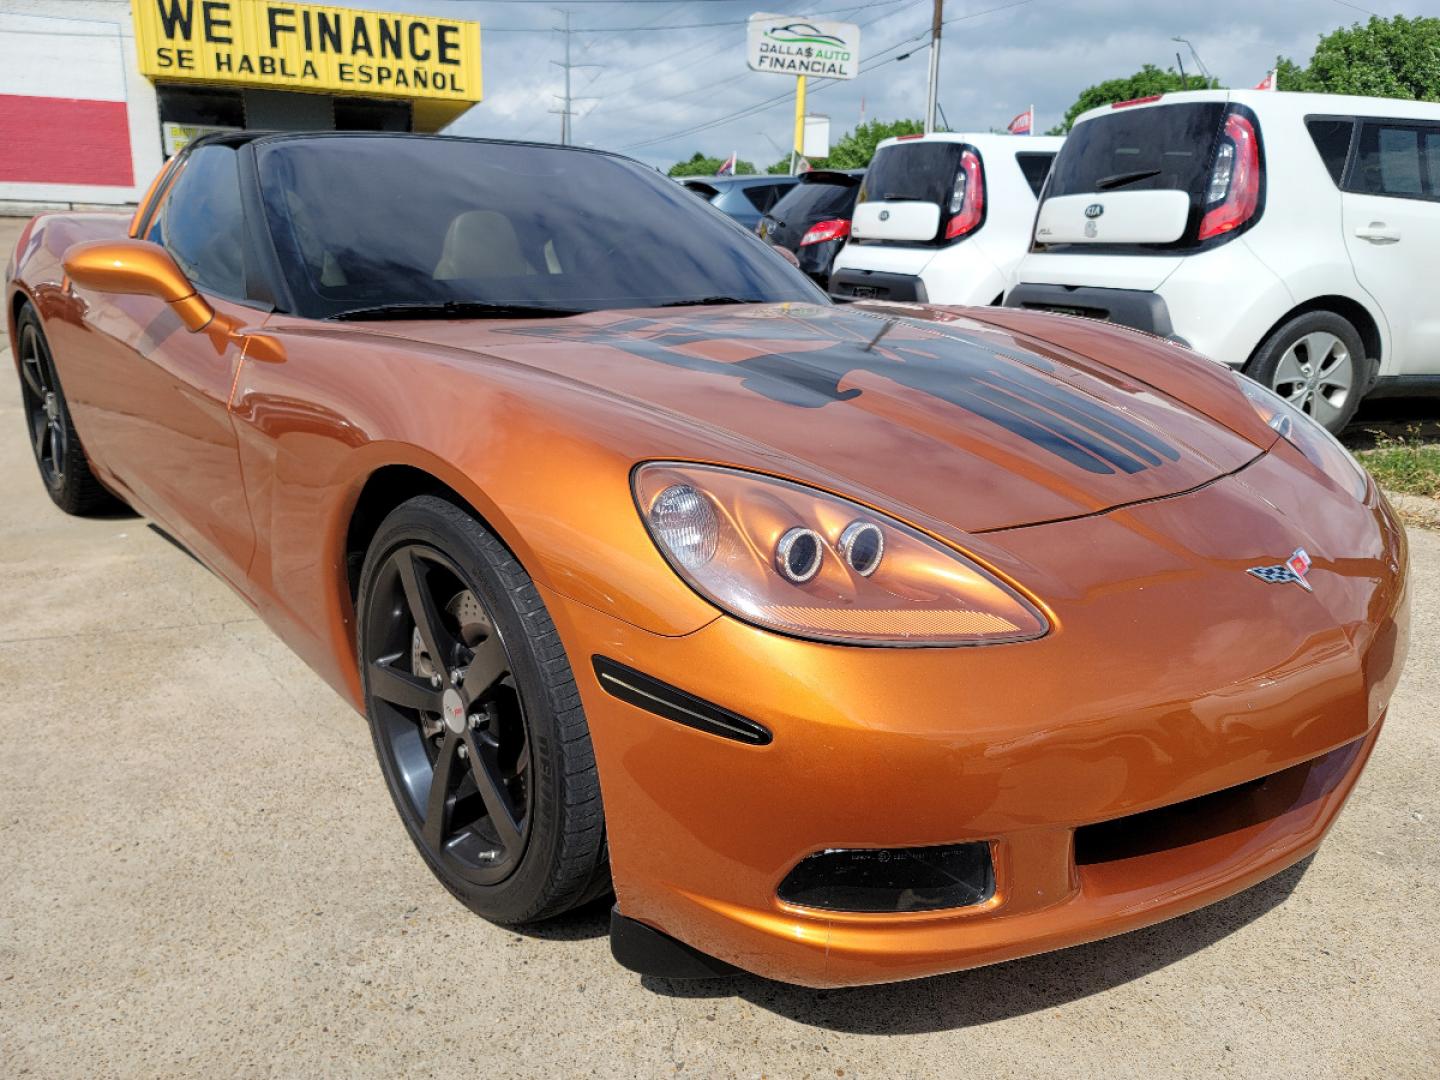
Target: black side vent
(662,699)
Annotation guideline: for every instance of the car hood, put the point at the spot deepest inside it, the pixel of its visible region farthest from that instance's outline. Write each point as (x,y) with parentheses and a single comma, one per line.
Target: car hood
(972,424)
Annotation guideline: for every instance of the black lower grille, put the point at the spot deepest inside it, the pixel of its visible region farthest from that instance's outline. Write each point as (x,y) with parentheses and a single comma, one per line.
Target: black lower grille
(1197,820)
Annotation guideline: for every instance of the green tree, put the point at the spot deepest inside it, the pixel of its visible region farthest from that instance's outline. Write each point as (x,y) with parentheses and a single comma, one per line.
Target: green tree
(1398,58)
(700,165)
(855,148)
(1149,80)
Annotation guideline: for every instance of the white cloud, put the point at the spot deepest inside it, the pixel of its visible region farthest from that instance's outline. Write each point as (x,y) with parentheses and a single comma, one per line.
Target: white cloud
(654,82)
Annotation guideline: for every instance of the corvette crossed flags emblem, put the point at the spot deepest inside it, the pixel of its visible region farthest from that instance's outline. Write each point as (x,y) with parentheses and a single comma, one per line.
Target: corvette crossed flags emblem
(1293,569)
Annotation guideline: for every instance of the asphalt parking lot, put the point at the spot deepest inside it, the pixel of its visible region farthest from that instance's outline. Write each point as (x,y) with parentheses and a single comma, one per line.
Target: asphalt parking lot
(201,874)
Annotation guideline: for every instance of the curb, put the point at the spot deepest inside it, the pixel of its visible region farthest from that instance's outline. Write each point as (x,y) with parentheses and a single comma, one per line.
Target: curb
(1419,511)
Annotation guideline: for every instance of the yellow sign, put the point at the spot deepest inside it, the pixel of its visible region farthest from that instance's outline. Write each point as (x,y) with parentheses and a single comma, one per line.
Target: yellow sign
(308,47)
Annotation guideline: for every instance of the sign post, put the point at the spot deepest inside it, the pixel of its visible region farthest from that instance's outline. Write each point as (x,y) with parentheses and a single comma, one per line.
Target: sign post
(798,144)
(794,45)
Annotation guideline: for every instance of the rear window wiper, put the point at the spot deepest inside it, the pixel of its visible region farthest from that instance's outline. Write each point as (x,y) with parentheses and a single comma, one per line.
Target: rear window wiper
(1121,179)
(453,309)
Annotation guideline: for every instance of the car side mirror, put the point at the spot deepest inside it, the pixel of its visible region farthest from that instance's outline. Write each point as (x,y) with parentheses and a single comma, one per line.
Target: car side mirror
(140,267)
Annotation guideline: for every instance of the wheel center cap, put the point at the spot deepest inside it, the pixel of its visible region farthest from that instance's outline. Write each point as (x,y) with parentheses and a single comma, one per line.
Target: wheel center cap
(52,408)
(453,710)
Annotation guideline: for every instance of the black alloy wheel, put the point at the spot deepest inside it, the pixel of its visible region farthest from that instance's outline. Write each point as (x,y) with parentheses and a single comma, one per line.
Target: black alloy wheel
(41,395)
(449,714)
(58,453)
(476,719)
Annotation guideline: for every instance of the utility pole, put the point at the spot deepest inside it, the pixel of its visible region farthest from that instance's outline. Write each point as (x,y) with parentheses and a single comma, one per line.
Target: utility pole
(932,98)
(568,99)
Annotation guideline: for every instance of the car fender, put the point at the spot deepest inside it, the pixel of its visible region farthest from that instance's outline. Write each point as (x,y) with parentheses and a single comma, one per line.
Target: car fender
(311,436)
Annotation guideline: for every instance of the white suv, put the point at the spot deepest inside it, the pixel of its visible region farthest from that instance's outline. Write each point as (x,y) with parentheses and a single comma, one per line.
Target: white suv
(943,218)
(1296,236)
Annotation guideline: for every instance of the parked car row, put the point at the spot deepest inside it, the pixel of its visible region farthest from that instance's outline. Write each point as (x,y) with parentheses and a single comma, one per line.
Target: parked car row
(1292,236)
(943,218)
(1295,236)
(743,198)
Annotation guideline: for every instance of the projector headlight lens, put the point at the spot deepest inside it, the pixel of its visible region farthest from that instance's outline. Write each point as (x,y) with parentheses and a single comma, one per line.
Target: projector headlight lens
(803,562)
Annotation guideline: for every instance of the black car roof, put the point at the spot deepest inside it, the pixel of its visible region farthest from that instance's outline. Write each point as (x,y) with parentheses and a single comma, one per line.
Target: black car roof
(238,138)
(736,181)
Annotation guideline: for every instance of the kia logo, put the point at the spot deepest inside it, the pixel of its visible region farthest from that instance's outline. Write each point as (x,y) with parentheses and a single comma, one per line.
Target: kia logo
(1094,210)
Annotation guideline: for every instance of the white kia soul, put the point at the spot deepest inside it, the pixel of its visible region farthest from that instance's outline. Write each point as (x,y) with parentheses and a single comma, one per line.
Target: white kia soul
(943,218)
(1296,236)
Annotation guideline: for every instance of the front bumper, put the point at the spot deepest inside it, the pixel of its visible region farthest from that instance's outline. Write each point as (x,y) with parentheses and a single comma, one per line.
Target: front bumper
(1169,675)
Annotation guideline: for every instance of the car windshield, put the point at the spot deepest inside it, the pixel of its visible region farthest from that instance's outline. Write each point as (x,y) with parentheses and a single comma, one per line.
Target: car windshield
(363,222)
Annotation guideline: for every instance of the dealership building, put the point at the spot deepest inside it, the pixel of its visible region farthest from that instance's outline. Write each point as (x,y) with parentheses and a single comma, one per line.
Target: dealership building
(96,94)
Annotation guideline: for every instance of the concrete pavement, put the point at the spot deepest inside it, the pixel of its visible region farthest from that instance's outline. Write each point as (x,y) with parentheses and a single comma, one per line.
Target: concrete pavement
(201,874)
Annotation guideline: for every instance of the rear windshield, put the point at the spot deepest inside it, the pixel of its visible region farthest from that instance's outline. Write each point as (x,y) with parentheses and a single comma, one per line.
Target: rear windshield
(1162,148)
(818,201)
(1035,167)
(919,171)
(763,196)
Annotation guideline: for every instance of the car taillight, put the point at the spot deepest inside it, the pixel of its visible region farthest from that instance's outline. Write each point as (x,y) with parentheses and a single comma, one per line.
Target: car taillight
(821,231)
(967,202)
(1234,189)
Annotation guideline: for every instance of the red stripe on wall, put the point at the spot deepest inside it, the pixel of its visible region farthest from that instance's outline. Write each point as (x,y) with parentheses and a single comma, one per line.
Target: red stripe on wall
(46,140)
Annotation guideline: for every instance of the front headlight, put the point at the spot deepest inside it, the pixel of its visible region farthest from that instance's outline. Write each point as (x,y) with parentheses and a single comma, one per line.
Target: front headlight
(796,560)
(1308,436)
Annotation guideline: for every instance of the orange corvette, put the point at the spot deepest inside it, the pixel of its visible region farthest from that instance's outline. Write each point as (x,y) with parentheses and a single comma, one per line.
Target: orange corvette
(845,643)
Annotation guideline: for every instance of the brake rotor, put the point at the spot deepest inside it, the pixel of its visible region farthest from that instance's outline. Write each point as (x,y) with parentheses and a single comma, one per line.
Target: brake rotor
(474,627)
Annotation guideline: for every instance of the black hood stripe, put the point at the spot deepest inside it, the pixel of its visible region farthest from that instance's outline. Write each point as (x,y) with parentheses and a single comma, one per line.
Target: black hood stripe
(1101,420)
(802,359)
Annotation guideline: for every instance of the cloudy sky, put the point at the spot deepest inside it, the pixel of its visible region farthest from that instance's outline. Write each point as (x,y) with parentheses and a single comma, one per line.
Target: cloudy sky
(671,75)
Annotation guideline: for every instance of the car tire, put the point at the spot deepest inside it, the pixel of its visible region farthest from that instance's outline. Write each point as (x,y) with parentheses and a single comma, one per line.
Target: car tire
(59,456)
(516,828)
(1317,362)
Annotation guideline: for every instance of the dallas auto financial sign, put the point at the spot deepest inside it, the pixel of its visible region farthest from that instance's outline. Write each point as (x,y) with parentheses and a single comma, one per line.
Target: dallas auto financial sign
(793,45)
(308,47)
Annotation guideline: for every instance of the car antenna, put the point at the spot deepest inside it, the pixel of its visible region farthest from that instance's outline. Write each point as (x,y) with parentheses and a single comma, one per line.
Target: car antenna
(876,339)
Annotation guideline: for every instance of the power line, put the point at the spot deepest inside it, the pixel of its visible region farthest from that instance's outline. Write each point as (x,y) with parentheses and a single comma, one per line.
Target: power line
(729,78)
(770,103)
(567,112)
(654,29)
(758,107)
(763,106)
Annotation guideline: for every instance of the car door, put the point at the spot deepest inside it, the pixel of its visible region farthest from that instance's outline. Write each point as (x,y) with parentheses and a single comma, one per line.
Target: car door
(1392,230)
(156,396)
